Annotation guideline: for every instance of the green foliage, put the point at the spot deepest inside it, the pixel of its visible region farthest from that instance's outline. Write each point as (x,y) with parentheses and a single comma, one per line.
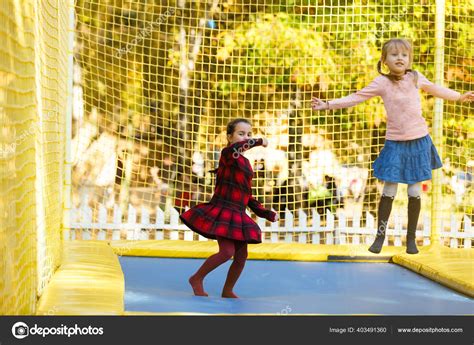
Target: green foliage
(269,51)
(257,58)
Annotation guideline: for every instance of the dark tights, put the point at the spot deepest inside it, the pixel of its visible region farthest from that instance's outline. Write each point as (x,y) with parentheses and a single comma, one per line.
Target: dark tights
(227,249)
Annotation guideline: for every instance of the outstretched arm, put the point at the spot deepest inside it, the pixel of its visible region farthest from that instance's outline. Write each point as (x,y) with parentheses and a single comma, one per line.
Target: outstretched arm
(261,211)
(245,145)
(443,92)
(371,90)
(232,152)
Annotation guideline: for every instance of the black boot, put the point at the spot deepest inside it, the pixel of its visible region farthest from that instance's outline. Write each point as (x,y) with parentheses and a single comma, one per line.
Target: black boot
(414,206)
(385,207)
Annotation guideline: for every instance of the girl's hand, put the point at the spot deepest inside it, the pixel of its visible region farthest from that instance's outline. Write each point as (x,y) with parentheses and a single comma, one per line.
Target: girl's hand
(264,142)
(318,104)
(467,97)
(276,218)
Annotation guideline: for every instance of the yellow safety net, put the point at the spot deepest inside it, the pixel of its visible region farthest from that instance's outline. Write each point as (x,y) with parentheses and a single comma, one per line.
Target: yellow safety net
(158,81)
(33,99)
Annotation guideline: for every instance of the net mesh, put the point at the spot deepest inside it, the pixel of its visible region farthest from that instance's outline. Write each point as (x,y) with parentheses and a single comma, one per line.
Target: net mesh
(32,111)
(156,83)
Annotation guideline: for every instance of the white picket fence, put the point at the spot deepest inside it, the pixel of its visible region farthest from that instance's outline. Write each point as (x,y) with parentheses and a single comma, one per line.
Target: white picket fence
(86,225)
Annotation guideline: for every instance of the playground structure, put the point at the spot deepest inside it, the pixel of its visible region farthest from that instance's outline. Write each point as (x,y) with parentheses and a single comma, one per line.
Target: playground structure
(112,112)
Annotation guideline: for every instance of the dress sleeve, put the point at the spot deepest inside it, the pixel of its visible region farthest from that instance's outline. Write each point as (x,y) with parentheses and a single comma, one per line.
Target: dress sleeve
(436,90)
(261,211)
(371,90)
(231,153)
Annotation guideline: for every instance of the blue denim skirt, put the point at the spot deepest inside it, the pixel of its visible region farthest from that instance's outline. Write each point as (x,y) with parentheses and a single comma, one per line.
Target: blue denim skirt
(408,161)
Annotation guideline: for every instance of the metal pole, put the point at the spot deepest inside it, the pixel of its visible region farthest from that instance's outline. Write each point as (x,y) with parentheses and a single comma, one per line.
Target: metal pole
(438,120)
(67,189)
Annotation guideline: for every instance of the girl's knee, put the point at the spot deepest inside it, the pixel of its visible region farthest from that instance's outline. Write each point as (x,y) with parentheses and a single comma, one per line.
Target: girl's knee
(227,252)
(226,247)
(390,189)
(241,255)
(414,190)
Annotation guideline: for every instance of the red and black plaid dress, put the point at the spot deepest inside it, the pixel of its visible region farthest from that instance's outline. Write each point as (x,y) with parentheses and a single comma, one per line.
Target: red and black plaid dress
(224,215)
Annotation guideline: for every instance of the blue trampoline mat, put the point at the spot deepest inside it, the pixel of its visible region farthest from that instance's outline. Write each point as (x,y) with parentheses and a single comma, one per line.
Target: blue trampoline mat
(160,285)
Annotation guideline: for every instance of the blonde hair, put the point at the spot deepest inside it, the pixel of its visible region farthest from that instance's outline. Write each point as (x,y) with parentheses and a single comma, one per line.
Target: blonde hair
(397,42)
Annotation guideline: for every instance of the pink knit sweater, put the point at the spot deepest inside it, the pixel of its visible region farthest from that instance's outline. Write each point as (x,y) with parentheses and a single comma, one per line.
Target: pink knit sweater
(402,103)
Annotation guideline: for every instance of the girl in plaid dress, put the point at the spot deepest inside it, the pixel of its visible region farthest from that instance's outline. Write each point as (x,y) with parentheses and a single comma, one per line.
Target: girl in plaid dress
(224,218)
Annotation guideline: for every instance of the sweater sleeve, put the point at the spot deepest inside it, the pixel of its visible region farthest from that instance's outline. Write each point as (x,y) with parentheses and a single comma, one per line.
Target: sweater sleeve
(261,211)
(371,90)
(436,90)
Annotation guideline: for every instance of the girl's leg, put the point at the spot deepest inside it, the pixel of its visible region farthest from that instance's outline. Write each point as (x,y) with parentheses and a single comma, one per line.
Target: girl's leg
(385,207)
(240,257)
(414,206)
(226,251)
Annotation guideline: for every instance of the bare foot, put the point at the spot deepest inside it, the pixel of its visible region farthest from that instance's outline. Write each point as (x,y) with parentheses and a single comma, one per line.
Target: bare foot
(229,294)
(196,284)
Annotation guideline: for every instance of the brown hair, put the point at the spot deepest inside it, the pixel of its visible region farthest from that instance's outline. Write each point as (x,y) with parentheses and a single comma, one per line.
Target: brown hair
(397,42)
(232,124)
(230,130)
